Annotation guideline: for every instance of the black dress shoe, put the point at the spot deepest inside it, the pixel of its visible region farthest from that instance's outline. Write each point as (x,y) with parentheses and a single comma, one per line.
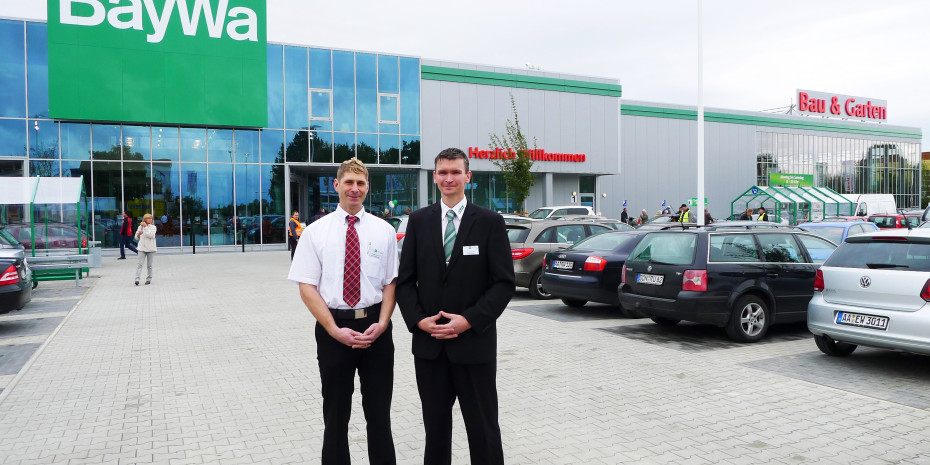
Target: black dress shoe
(121,258)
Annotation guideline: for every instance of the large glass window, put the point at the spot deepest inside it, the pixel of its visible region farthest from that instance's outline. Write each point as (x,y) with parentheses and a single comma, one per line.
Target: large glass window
(75,142)
(298,147)
(273,219)
(248,204)
(108,201)
(320,100)
(409,96)
(343,91)
(387,74)
(194,203)
(320,69)
(221,225)
(166,203)
(12,137)
(137,143)
(367,148)
(12,71)
(193,144)
(275,86)
(410,150)
(165,144)
(272,146)
(37,68)
(295,87)
(321,146)
(43,140)
(44,167)
(247,147)
(366,97)
(388,149)
(106,142)
(137,189)
(220,145)
(343,147)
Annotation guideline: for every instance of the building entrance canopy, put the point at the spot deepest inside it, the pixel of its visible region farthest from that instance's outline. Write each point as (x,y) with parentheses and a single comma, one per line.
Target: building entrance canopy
(794,204)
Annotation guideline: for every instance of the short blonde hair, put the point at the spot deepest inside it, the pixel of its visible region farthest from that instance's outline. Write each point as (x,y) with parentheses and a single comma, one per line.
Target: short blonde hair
(354,165)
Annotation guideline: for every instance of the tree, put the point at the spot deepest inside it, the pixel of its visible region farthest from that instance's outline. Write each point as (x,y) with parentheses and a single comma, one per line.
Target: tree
(516,170)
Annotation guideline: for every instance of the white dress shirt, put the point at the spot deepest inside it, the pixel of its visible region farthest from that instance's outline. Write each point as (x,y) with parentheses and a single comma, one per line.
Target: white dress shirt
(320,257)
(459,208)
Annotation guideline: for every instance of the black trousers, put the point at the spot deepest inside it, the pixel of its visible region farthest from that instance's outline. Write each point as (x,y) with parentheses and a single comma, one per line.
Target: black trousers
(291,245)
(440,382)
(375,366)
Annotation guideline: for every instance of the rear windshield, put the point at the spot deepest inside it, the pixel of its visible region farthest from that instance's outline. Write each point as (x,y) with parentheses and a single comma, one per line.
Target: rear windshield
(833,234)
(602,242)
(874,255)
(666,248)
(517,234)
(884,221)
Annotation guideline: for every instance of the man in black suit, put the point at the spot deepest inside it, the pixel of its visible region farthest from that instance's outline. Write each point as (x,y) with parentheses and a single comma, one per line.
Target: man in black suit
(455,279)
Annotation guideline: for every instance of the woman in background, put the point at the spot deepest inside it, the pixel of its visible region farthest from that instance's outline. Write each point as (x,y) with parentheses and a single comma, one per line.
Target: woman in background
(146,237)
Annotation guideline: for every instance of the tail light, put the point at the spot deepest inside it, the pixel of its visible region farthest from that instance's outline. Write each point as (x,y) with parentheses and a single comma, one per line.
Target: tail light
(401,235)
(84,242)
(520,253)
(594,263)
(819,286)
(623,274)
(544,261)
(925,293)
(694,280)
(10,275)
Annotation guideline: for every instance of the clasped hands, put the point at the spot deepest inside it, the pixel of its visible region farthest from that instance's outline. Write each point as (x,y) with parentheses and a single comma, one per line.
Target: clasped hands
(357,340)
(457,324)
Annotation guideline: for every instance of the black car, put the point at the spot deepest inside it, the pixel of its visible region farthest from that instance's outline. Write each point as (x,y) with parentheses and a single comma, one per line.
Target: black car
(15,284)
(589,271)
(743,280)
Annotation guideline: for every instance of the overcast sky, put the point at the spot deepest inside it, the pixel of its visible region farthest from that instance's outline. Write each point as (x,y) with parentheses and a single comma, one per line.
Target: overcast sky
(756,53)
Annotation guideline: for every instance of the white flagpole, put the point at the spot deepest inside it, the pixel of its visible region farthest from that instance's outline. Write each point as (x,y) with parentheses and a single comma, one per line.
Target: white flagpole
(700,118)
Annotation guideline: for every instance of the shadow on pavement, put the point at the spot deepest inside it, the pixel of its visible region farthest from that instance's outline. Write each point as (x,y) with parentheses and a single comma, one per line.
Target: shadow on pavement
(692,337)
(567,314)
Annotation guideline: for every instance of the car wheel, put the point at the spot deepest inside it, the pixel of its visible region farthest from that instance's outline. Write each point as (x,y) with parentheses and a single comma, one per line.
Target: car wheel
(574,302)
(537,291)
(662,321)
(749,320)
(831,347)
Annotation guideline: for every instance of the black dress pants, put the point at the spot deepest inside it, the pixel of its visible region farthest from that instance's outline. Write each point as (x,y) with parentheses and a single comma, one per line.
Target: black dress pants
(375,365)
(440,382)
(292,245)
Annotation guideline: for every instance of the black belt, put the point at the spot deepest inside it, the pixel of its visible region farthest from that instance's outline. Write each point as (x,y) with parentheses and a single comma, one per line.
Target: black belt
(353,314)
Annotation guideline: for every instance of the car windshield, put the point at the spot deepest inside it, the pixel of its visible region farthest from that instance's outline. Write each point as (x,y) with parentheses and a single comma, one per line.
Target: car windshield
(602,242)
(666,248)
(517,234)
(540,213)
(878,254)
(832,233)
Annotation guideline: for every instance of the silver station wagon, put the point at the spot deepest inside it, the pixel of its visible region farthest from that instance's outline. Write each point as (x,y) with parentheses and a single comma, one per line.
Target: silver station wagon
(874,291)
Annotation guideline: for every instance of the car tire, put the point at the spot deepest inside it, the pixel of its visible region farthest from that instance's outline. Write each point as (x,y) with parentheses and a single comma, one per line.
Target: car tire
(574,303)
(537,291)
(834,348)
(749,320)
(662,321)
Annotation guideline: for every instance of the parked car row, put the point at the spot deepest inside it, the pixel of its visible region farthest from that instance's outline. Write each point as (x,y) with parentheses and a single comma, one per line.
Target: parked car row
(15,276)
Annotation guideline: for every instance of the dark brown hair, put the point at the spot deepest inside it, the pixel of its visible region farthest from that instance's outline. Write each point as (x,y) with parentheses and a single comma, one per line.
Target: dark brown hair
(451,153)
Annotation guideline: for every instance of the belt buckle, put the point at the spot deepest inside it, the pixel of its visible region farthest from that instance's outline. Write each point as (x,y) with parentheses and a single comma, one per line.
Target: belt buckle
(360,313)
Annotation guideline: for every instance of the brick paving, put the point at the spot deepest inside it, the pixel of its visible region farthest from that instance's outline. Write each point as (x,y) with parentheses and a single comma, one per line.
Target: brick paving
(215,363)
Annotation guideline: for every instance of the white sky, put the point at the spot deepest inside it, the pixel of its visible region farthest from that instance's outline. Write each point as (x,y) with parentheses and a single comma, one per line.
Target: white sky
(756,53)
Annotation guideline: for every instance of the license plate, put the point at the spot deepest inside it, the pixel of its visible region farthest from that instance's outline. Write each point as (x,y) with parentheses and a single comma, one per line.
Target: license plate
(866,321)
(562,265)
(654,279)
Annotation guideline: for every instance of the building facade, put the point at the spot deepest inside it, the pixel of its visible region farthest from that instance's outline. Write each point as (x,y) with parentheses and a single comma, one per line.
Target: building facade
(228,186)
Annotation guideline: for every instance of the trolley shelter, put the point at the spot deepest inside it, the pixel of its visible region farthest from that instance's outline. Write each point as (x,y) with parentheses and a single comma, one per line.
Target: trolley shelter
(795,204)
(46,215)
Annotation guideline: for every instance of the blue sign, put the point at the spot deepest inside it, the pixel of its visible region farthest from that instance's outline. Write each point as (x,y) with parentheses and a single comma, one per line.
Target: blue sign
(754,191)
(624,203)
(663,203)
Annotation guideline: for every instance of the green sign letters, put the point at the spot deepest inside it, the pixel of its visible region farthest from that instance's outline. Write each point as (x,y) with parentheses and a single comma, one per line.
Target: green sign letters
(199,62)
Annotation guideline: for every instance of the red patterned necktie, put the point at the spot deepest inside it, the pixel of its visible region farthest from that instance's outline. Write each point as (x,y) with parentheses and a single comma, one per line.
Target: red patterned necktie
(351,292)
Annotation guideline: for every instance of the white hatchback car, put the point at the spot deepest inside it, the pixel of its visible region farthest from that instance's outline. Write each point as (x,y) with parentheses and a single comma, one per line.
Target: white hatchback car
(874,291)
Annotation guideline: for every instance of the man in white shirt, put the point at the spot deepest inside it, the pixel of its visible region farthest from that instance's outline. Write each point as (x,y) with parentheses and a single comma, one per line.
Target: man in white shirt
(346,268)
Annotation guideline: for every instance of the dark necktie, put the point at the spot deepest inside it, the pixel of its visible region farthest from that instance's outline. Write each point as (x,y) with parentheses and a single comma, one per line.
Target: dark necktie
(351,292)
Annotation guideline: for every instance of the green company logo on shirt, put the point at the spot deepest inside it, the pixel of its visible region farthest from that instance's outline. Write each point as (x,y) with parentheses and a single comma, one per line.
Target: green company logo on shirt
(200,62)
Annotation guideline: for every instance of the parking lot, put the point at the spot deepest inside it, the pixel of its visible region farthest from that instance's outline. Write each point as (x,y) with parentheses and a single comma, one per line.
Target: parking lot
(215,363)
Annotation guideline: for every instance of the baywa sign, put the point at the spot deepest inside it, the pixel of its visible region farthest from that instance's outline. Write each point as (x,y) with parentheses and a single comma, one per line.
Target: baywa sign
(200,62)
(243,22)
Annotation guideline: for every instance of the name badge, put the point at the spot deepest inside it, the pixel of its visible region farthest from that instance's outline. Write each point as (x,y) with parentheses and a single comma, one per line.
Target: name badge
(470,250)
(374,252)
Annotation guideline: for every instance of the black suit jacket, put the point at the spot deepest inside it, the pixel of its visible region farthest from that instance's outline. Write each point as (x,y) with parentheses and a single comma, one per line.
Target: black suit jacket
(478,287)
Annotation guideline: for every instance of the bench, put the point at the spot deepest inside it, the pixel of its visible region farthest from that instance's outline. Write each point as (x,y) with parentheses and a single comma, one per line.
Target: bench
(61,267)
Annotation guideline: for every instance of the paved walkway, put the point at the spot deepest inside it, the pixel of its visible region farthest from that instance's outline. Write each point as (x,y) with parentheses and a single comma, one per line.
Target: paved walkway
(215,363)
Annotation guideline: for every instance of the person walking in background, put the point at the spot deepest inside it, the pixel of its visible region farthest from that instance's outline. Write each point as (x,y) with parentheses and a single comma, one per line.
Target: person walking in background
(125,237)
(319,215)
(763,216)
(294,230)
(624,216)
(707,218)
(346,270)
(746,215)
(146,237)
(455,281)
